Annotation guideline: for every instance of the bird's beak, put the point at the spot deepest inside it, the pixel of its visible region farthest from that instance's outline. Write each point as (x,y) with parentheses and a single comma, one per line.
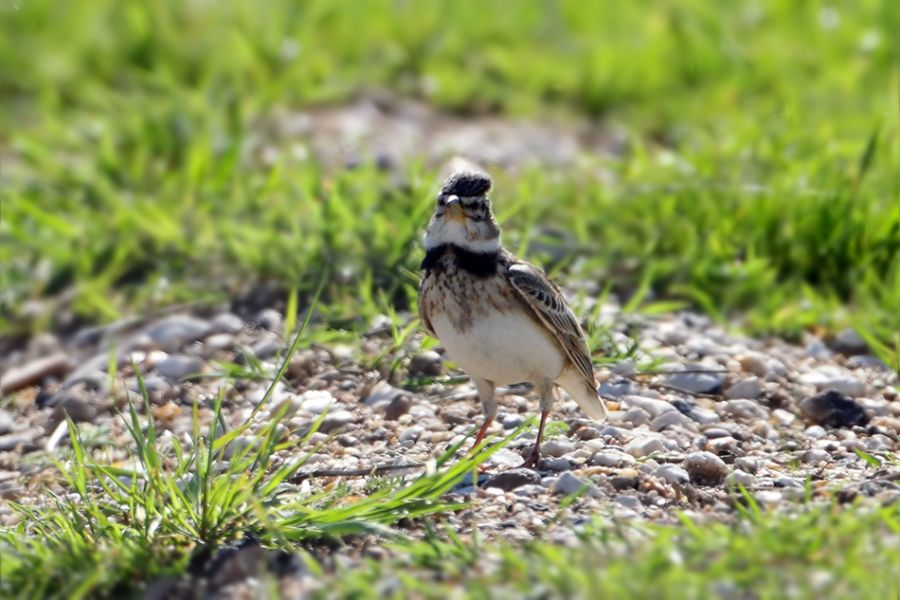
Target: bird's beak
(455,209)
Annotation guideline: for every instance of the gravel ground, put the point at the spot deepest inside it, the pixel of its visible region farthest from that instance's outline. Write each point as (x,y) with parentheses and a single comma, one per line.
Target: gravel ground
(765,414)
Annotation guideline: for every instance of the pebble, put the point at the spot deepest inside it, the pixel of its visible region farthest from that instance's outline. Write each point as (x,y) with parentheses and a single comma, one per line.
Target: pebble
(834,378)
(705,468)
(399,406)
(335,420)
(513,479)
(783,417)
(704,416)
(673,474)
(315,402)
(617,388)
(744,409)
(636,417)
(557,447)
(697,383)
(426,364)
(172,332)
(226,322)
(177,368)
(410,434)
(815,432)
(626,479)
(849,342)
(629,502)
(381,395)
(750,388)
(749,464)
(644,446)
(568,483)
(512,420)
(740,478)
(611,458)
(270,319)
(671,418)
(768,497)
(756,364)
(815,456)
(557,464)
(651,406)
(6,422)
(833,409)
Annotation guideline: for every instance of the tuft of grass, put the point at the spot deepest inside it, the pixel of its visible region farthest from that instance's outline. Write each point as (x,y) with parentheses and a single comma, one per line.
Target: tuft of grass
(821,552)
(119,526)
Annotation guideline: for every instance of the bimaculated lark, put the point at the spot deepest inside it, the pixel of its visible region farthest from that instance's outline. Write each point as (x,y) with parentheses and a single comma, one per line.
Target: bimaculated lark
(499,318)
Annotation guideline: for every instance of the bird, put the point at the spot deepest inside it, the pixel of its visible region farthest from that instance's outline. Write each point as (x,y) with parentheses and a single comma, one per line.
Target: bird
(499,318)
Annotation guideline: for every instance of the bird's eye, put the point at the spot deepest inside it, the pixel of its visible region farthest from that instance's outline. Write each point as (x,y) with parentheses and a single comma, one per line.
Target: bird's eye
(441,201)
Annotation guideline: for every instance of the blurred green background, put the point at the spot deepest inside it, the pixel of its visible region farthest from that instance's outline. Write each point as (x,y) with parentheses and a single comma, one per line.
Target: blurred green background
(757,171)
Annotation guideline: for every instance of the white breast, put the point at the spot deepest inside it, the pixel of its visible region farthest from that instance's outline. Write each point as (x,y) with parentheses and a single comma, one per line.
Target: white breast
(503,347)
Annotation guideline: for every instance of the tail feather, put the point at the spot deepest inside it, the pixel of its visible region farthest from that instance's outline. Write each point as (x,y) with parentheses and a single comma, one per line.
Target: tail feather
(584,394)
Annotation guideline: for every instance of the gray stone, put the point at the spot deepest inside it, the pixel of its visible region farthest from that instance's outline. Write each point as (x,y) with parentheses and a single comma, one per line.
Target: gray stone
(226,322)
(651,406)
(740,478)
(697,383)
(705,468)
(266,348)
(673,474)
(849,342)
(398,407)
(611,458)
(6,421)
(749,464)
(755,363)
(815,456)
(513,479)
(636,417)
(671,418)
(815,432)
(831,377)
(315,402)
(617,388)
(833,409)
(556,464)
(744,409)
(750,388)
(626,479)
(569,483)
(644,446)
(557,447)
(270,319)
(176,368)
(512,420)
(426,364)
(410,434)
(335,420)
(626,501)
(704,416)
(381,395)
(173,332)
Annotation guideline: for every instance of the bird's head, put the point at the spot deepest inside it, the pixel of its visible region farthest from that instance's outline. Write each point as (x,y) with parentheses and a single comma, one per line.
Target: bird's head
(462,215)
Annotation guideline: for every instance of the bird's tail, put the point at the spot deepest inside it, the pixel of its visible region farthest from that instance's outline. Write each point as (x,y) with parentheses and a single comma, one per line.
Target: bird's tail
(584,394)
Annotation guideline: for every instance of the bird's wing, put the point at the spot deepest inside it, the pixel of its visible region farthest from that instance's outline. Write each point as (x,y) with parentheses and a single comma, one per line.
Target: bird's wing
(548,304)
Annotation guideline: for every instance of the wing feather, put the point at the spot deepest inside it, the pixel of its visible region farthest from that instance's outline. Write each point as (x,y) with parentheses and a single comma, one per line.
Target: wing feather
(548,304)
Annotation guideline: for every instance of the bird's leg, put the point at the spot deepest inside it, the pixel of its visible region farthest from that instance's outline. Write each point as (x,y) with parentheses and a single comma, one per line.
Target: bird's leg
(488,403)
(547,392)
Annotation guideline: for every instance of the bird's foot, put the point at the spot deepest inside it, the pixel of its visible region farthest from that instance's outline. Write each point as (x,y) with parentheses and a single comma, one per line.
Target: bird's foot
(532,461)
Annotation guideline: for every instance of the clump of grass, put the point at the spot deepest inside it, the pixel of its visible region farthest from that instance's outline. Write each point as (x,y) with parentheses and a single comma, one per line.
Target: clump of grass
(820,552)
(116,527)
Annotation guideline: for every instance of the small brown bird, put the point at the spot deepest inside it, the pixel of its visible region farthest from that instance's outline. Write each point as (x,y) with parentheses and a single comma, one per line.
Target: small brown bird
(499,318)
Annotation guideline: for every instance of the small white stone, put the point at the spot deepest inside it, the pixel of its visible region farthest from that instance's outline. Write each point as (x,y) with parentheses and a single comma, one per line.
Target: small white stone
(750,388)
(673,474)
(644,446)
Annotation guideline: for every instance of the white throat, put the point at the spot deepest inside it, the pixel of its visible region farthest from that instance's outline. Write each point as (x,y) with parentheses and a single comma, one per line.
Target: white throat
(455,233)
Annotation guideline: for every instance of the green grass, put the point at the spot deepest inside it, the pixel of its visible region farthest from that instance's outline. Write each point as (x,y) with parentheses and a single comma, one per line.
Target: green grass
(115,528)
(760,176)
(819,552)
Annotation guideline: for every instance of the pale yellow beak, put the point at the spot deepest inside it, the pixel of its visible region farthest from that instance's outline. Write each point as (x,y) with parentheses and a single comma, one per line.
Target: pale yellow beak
(455,210)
